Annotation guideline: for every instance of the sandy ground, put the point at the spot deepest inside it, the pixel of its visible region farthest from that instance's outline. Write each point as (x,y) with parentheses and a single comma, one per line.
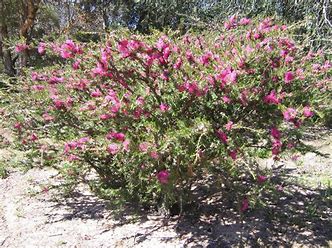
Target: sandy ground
(31,217)
(33,214)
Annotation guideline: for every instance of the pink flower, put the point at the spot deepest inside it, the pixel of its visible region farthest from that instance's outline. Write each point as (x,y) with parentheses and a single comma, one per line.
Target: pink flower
(272,98)
(69,102)
(165,75)
(297,123)
(232,77)
(245,204)
(33,137)
(113,148)
(276,147)
(96,93)
(164,107)
(144,146)
(226,99)
(283,53)
(140,100)
(47,117)
(161,44)
(115,108)
(123,48)
(76,64)
(288,77)
(289,114)
(227,75)
(244,21)
(55,80)
(229,125)
(105,117)
(295,157)
(18,126)
(65,54)
(178,64)
(69,44)
(244,97)
(261,178)
(275,133)
(117,136)
(72,157)
(41,48)
(289,59)
(205,58)
(38,87)
(21,47)
(307,112)
(59,104)
(35,76)
(100,70)
(233,154)
(126,144)
(257,36)
(316,67)
(154,154)
(163,176)
(190,57)
(222,136)
(279,188)
(249,49)
(290,145)
(70,146)
(83,140)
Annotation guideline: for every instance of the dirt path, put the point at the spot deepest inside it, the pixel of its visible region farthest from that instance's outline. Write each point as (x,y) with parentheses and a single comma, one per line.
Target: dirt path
(32,214)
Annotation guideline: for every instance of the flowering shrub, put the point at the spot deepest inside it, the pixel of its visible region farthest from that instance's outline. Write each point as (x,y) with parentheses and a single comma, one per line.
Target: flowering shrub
(152,114)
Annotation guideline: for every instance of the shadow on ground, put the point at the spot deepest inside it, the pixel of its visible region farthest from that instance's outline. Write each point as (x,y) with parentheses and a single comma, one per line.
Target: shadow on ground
(297,215)
(78,206)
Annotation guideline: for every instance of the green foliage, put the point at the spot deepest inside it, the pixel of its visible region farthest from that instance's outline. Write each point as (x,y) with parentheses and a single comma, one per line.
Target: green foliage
(3,171)
(150,116)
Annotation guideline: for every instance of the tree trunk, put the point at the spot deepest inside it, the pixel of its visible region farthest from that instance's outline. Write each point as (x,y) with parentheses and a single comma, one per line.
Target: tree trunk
(30,16)
(5,53)
(106,21)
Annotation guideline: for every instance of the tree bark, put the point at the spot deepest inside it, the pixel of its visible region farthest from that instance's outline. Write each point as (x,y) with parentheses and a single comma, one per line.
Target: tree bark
(30,16)
(5,53)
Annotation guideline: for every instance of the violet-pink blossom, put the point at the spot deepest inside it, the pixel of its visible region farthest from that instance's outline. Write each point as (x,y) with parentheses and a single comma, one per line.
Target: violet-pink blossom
(233,154)
(164,107)
(307,112)
(271,98)
(261,178)
(289,77)
(275,133)
(163,176)
(244,205)
(229,125)
(222,136)
(41,48)
(144,146)
(21,47)
(289,114)
(113,148)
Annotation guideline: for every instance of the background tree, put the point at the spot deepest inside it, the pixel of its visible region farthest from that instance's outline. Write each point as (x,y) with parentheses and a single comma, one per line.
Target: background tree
(17,19)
